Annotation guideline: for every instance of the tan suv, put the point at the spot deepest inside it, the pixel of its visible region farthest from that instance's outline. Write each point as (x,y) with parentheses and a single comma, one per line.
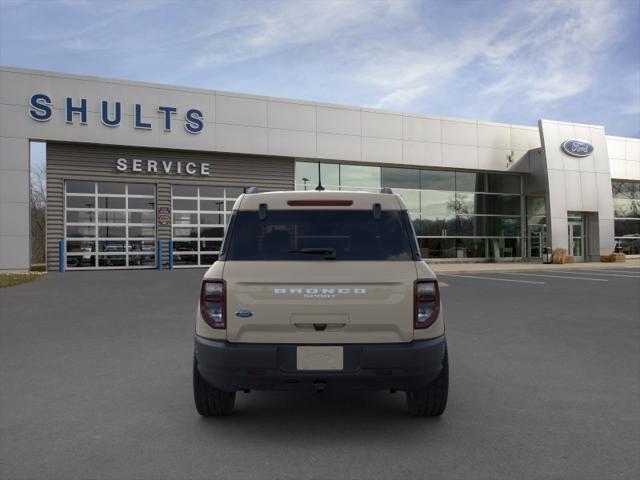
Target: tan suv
(320,291)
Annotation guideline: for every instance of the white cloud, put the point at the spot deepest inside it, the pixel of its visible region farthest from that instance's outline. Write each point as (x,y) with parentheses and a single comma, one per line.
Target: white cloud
(631,92)
(286,25)
(550,59)
(478,59)
(542,52)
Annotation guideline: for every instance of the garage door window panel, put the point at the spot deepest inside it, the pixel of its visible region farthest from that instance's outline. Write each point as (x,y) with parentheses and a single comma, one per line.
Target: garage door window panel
(200,215)
(109,218)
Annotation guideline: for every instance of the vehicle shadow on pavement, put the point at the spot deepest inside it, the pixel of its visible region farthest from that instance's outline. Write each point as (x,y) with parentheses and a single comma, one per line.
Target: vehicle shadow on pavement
(306,416)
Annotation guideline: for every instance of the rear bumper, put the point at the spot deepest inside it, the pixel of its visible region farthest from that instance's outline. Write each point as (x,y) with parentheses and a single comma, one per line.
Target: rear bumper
(255,366)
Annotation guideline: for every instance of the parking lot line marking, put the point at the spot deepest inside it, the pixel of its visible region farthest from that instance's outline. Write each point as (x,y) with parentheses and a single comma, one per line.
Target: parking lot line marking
(555,276)
(626,270)
(492,278)
(603,274)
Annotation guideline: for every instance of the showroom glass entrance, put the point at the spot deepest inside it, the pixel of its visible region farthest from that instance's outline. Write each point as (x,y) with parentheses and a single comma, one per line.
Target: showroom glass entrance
(576,236)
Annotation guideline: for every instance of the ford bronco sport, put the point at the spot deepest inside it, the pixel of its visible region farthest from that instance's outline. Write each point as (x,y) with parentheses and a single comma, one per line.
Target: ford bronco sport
(320,290)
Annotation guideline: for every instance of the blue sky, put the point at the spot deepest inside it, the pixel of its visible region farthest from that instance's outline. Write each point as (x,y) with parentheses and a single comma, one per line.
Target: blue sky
(512,62)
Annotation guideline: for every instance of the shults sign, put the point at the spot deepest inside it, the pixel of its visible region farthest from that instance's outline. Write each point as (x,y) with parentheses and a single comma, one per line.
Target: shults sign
(41,109)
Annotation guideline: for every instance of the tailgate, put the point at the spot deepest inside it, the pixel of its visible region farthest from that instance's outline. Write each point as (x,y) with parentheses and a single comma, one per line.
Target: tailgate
(319,302)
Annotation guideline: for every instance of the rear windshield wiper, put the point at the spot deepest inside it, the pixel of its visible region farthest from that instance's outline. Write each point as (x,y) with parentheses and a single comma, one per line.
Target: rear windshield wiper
(330,253)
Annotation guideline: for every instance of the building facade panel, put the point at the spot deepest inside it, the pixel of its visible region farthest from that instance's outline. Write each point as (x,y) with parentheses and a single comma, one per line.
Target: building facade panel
(291,116)
(381,125)
(248,112)
(342,121)
(419,129)
(294,143)
(339,147)
(456,132)
(422,153)
(255,139)
(494,136)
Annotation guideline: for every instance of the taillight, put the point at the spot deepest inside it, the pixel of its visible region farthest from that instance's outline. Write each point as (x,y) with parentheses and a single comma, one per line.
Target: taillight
(213,303)
(426,304)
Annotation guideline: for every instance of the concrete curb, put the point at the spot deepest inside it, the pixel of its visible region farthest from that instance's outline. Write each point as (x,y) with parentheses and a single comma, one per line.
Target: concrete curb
(525,267)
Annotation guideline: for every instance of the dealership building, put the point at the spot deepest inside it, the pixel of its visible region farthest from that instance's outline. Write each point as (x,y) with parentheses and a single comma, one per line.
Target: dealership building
(143,175)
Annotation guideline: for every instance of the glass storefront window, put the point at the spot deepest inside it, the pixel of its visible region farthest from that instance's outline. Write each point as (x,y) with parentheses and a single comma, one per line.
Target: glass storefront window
(411,199)
(626,208)
(504,247)
(487,225)
(464,214)
(471,248)
(437,247)
(627,227)
(625,189)
(400,178)
(439,227)
(435,204)
(359,176)
(306,175)
(630,246)
(437,180)
(536,206)
(488,204)
(330,174)
(503,183)
(471,182)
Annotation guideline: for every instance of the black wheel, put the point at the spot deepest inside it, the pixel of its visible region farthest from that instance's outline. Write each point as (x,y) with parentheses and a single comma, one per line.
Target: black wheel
(432,401)
(211,402)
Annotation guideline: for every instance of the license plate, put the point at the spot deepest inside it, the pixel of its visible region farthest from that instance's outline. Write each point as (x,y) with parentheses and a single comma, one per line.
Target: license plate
(320,358)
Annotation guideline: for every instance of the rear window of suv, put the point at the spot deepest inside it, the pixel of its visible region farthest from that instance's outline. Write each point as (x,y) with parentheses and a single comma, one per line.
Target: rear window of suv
(320,235)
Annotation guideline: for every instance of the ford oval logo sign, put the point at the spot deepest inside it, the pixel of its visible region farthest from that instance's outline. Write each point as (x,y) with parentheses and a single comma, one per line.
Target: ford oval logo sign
(244,313)
(577,148)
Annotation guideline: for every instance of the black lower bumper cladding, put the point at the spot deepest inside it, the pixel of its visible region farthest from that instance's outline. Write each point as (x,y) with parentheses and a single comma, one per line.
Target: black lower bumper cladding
(255,366)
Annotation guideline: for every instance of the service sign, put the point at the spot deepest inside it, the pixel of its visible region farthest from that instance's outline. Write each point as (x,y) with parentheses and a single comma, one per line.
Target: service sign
(162,167)
(164,216)
(577,148)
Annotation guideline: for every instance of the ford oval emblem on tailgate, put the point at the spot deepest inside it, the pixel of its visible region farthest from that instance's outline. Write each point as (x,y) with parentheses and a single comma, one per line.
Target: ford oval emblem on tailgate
(244,313)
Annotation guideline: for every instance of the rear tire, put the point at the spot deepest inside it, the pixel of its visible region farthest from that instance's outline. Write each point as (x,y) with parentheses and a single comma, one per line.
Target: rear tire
(211,402)
(431,401)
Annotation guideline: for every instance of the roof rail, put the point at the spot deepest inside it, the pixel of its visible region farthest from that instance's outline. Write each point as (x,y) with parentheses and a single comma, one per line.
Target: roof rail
(252,190)
(386,190)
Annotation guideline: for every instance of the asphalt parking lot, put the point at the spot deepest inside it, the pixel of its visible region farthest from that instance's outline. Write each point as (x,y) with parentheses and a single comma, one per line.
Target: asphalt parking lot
(95,383)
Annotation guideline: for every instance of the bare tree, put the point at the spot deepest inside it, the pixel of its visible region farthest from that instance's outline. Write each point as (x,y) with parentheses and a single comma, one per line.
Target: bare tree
(38,209)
